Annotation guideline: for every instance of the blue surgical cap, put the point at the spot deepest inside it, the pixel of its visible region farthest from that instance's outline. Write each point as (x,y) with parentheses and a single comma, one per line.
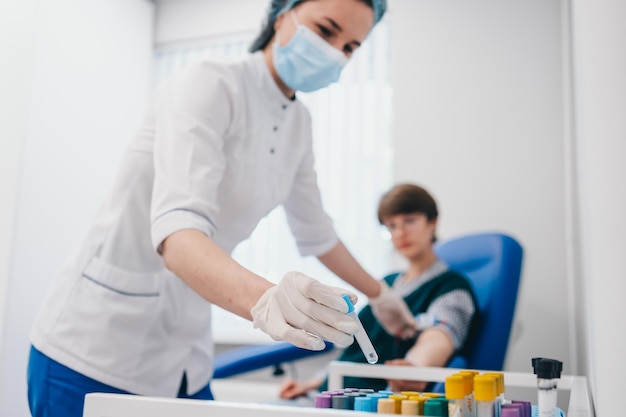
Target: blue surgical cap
(279,6)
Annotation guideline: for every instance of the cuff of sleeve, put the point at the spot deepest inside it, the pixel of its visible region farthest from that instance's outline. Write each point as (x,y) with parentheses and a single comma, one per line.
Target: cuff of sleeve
(175,221)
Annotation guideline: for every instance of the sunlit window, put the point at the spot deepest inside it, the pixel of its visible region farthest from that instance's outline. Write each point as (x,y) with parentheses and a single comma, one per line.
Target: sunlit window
(353,151)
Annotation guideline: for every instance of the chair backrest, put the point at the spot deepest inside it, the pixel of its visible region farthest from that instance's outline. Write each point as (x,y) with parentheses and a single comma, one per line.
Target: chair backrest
(493,264)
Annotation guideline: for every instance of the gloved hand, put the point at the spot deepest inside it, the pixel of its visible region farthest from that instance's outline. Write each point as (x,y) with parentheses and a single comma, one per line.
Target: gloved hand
(304,312)
(392,313)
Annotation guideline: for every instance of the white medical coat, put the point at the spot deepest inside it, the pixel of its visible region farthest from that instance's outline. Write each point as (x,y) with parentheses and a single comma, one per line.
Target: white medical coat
(219,148)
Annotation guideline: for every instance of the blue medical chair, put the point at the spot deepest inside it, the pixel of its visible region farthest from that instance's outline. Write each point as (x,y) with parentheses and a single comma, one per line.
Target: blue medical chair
(491,261)
(250,358)
(493,264)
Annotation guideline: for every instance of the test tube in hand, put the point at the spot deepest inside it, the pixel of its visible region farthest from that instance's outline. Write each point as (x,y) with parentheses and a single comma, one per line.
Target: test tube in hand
(361,336)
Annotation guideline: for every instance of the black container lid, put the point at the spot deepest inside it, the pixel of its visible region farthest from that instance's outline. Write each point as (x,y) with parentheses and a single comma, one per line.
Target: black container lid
(547,368)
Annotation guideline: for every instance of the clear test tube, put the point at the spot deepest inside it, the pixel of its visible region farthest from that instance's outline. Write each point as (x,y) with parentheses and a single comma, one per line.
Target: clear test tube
(468,390)
(497,404)
(361,336)
(455,393)
(548,373)
(471,401)
(485,395)
(501,388)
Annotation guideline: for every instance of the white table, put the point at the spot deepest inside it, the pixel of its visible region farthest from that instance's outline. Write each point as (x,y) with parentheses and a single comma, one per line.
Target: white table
(115,405)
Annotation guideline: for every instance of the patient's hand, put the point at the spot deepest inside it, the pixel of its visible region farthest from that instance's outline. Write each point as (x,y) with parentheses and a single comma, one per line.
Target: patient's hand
(292,388)
(398,385)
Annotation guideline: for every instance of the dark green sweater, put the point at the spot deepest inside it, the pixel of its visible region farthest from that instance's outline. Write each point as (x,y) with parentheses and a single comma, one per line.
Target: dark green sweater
(389,347)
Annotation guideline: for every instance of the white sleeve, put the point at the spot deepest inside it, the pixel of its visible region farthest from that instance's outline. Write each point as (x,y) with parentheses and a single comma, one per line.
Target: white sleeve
(193,114)
(310,225)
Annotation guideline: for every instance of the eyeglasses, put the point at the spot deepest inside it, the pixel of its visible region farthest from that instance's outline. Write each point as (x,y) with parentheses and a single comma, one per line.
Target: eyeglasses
(402,222)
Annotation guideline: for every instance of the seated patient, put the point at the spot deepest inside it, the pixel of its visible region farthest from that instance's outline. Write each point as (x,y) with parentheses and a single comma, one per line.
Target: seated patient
(439,297)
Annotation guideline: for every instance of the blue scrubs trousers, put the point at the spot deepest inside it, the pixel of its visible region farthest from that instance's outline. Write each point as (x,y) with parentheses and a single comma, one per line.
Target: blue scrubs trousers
(55,390)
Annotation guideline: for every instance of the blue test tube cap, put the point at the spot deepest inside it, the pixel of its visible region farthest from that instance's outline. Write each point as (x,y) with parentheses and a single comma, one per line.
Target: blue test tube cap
(363,404)
(349,302)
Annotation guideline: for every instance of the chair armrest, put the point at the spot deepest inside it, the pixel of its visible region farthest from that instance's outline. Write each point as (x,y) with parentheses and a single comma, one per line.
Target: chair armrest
(251,358)
(457,361)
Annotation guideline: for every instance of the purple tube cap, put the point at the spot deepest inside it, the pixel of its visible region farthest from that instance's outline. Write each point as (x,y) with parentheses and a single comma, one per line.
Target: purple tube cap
(522,410)
(323,401)
(511,412)
(527,407)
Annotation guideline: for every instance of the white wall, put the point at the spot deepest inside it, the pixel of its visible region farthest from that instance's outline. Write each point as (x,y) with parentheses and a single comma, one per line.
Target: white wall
(188,20)
(16,38)
(82,85)
(599,36)
(479,119)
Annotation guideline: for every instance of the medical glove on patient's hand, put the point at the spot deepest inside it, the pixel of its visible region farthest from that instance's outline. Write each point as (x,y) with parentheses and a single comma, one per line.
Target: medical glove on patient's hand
(392,313)
(304,312)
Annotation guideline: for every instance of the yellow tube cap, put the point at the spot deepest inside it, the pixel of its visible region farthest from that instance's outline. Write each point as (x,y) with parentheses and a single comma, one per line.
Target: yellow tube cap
(485,388)
(500,379)
(455,387)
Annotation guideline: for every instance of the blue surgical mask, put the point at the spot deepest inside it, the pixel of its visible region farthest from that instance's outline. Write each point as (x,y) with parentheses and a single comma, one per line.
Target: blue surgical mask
(307,63)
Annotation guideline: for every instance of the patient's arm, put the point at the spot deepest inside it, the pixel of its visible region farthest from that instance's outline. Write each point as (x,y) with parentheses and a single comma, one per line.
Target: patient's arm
(292,388)
(432,348)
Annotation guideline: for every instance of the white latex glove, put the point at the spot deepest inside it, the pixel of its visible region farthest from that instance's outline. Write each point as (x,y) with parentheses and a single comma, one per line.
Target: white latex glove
(392,313)
(304,312)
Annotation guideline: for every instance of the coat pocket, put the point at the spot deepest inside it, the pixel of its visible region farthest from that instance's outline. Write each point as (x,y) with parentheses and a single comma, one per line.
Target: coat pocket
(122,282)
(111,318)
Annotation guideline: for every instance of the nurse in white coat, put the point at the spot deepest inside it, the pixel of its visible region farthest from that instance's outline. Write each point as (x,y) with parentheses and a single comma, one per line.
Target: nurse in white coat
(220,147)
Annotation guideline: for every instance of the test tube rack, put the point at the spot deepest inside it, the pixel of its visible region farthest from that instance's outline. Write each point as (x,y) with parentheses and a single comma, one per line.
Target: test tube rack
(117,405)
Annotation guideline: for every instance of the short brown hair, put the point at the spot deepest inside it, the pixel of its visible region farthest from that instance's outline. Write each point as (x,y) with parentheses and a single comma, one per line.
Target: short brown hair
(406,199)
